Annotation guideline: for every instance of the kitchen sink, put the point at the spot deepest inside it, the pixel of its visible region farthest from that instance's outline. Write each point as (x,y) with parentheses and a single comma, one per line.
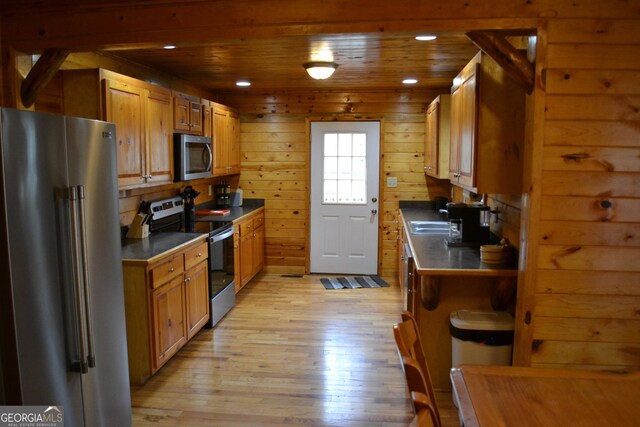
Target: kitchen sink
(429,227)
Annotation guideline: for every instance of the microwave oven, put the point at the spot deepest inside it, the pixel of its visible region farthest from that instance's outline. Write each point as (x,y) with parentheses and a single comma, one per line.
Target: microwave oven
(193,157)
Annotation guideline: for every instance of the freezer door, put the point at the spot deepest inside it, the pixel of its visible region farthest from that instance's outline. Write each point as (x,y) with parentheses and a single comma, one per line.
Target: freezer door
(93,171)
(35,205)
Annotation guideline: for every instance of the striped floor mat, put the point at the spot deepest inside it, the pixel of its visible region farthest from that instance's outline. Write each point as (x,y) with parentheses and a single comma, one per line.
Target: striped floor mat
(353,282)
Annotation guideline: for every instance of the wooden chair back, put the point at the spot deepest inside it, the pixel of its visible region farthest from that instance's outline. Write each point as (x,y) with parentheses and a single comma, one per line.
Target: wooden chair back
(409,347)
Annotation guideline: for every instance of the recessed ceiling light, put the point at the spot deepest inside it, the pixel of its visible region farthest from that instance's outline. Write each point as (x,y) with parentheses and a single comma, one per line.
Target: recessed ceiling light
(410,81)
(169,46)
(426,37)
(243,83)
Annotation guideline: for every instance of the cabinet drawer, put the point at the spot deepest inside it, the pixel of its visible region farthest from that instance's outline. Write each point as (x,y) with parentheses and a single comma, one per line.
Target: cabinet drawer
(162,272)
(196,255)
(246,228)
(258,222)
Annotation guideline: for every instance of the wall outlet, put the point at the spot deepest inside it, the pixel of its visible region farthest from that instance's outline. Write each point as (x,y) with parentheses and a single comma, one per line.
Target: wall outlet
(392,181)
(210,190)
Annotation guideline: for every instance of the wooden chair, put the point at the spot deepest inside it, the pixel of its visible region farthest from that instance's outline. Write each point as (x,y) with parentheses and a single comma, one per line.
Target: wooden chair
(413,360)
(425,416)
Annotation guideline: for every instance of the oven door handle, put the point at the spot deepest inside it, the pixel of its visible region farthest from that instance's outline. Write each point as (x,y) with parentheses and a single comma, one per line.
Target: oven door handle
(221,236)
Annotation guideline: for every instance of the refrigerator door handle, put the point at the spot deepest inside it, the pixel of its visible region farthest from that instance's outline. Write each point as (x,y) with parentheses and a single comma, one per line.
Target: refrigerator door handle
(77,275)
(91,357)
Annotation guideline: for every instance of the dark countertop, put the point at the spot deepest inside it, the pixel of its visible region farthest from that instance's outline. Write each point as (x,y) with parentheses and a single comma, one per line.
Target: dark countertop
(432,255)
(157,245)
(248,206)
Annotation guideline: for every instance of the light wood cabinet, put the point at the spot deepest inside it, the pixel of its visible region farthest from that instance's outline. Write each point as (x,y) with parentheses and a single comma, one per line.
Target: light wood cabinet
(207,119)
(226,140)
(187,113)
(158,135)
(437,137)
(196,285)
(168,323)
(142,114)
(487,129)
(250,254)
(166,304)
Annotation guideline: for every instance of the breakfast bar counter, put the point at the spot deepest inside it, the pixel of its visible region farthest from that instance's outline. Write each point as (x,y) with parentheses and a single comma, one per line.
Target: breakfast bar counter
(433,256)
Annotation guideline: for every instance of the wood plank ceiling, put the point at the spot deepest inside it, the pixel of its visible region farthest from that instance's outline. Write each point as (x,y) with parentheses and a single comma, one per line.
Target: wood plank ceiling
(367,61)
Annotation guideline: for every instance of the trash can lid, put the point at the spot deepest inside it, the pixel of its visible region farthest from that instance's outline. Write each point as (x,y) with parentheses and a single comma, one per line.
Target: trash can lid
(482,320)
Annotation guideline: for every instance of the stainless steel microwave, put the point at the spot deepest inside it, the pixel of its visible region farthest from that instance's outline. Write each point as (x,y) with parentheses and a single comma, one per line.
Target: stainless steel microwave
(193,156)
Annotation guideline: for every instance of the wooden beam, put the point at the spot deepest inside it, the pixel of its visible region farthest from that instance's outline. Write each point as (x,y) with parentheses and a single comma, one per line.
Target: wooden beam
(514,62)
(41,73)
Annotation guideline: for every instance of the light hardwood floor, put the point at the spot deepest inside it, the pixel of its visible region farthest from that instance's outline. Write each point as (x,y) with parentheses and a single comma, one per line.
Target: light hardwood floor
(289,353)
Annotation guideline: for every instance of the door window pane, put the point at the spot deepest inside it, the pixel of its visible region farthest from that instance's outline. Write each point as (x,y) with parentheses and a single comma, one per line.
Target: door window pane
(345,168)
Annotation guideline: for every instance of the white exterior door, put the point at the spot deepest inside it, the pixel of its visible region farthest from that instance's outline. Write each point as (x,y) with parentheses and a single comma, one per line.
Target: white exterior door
(345,170)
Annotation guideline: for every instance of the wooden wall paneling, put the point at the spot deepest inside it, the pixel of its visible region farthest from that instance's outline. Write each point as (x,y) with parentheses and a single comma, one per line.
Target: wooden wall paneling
(595,208)
(589,233)
(594,56)
(587,330)
(596,133)
(595,31)
(582,306)
(599,107)
(607,159)
(576,257)
(588,282)
(587,353)
(557,183)
(599,82)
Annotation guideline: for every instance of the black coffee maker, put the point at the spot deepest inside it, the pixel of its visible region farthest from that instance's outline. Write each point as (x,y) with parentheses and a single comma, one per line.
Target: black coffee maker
(471,222)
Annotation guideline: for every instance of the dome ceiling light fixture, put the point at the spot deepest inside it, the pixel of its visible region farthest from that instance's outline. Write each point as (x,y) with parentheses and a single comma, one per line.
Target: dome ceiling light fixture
(320,70)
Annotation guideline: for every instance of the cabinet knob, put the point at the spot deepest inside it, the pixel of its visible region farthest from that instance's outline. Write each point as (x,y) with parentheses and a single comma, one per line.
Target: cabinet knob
(187,280)
(171,270)
(199,254)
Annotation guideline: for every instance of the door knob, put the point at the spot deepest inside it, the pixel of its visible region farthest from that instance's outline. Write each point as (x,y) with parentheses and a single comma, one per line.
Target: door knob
(374,211)
(374,200)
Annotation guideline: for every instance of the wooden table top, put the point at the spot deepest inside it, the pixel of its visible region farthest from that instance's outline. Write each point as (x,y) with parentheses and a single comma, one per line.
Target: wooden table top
(515,396)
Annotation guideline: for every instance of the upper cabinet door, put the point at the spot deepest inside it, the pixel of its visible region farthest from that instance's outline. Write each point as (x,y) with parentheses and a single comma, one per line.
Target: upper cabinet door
(468,117)
(221,152)
(454,146)
(207,120)
(195,115)
(431,138)
(124,107)
(159,135)
(181,108)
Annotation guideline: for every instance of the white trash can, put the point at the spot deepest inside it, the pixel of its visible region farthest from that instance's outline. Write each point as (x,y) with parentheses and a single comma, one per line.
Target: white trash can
(481,337)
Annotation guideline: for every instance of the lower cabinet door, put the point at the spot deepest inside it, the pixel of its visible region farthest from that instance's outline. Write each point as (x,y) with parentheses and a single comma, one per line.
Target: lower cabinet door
(246,258)
(169,324)
(196,284)
(258,250)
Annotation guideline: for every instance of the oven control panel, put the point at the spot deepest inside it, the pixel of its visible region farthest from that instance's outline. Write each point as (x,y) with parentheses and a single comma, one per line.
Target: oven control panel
(165,207)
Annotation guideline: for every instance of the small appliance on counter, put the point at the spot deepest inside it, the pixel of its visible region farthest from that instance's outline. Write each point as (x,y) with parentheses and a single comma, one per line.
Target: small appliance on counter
(468,224)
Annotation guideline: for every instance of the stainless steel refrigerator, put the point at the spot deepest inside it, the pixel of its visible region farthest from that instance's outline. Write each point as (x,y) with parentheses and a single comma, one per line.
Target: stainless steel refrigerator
(62,321)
